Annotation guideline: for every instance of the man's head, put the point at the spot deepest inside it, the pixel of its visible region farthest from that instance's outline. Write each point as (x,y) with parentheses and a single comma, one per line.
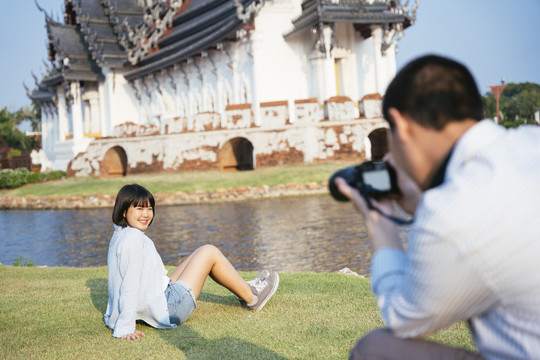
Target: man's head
(429,105)
(433,91)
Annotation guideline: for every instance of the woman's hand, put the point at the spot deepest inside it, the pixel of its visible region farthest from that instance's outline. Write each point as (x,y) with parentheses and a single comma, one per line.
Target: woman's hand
(134,336)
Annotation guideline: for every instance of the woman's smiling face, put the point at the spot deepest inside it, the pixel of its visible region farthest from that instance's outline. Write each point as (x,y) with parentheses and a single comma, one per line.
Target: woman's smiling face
(139,217)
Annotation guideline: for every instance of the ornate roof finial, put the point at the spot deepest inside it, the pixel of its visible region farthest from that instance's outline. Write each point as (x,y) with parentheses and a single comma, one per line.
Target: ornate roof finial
(27,89)
(36,80)
(245,13)
(42,10)
(47,67)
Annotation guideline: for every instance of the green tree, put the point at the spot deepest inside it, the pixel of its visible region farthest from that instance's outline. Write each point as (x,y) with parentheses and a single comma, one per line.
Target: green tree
(11,135)
(30,113)
(518,103)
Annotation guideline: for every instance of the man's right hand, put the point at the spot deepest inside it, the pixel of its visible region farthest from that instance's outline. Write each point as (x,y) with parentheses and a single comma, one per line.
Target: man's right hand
(411,193)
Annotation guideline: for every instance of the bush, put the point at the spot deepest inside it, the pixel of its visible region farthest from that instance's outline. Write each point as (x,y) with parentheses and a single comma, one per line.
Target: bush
(55,175)
(14,178)
(22,261)
(33,177)
(14,153)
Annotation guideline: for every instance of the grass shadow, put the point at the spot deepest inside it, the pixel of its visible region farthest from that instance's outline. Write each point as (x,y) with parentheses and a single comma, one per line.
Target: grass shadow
(195,347)
(219,299)
(98,293)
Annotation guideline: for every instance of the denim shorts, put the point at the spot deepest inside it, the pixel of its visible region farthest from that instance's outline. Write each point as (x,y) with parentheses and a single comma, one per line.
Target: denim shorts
(180,301)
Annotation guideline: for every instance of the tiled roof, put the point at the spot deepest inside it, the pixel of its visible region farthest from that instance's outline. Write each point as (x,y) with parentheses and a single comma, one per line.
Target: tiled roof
(101,24)
(68,45)
(122,34)
(316,12)
(201,26)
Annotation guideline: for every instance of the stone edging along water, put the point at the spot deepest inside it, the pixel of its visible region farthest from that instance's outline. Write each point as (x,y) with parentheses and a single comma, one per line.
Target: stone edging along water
(32,202)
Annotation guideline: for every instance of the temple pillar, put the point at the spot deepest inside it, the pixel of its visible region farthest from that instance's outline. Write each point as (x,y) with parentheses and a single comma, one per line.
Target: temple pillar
(63,125)
(92,126)
(256,45)
(102,112)
(52,134)
(173,74)
(95,124)
(49,122)
(329,70)
(76,111)
(380,68)
(45,126)
(105,91)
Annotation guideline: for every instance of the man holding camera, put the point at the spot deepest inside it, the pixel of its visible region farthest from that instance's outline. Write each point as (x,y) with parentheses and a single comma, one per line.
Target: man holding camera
(472,251)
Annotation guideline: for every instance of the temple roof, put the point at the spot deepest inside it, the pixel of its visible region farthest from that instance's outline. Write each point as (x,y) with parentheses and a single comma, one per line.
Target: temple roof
(122,34)
(361,13)
(73,57)
(196,27)
(101,23)
(41,93)
(125,34)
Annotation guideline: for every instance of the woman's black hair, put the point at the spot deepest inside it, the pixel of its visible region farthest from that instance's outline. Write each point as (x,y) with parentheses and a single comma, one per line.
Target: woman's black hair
(129,195)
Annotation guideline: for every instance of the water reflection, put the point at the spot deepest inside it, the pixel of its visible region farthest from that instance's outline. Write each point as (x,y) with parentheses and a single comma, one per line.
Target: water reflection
(297,234)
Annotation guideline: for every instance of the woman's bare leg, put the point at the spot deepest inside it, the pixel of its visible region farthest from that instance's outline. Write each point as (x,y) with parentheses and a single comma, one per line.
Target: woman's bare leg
(209,261)
(182,266)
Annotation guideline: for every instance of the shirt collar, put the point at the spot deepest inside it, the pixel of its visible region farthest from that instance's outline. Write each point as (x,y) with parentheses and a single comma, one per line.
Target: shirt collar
(438,179)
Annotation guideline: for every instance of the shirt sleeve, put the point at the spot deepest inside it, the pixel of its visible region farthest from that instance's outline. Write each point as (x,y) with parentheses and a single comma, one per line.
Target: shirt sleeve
(130,260)
(428,288)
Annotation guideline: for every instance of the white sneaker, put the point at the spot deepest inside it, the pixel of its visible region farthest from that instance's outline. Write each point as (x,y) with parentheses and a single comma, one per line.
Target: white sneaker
(257,279)
(264,290)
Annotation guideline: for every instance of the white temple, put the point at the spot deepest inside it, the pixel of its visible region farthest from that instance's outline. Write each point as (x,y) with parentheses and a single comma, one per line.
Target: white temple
(149,85)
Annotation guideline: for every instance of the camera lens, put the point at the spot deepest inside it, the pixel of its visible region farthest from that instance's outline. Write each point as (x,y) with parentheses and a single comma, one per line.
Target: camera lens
(348,174)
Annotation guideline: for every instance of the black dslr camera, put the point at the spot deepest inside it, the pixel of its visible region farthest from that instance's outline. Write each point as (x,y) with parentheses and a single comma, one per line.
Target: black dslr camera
(376,180)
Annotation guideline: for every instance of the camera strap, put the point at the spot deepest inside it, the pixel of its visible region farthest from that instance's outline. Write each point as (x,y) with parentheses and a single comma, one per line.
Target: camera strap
(394,219)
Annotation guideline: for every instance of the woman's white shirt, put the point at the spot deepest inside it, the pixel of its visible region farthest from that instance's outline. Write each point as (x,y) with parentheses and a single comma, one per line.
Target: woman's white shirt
(136,283)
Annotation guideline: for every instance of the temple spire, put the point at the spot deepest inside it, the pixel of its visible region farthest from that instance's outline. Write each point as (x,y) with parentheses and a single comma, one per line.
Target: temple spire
(42,10)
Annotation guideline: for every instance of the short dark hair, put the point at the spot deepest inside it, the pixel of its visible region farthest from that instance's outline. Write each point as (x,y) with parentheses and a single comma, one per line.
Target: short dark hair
(433,91)
(129,195)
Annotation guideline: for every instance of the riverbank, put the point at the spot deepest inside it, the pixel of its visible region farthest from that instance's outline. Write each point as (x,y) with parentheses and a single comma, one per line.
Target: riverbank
(179,188)
(311,316)
(57,202)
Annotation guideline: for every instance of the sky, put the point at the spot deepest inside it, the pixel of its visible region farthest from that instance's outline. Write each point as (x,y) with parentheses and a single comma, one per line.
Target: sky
(493,38)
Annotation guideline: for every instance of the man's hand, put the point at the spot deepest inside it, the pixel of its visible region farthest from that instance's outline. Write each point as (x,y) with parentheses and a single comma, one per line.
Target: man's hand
(382,232)
(385,205)
(410,191)
(134,336)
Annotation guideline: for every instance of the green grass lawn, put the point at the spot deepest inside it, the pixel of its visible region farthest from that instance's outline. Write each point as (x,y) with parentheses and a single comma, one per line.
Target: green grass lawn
(182,181)
(57,313)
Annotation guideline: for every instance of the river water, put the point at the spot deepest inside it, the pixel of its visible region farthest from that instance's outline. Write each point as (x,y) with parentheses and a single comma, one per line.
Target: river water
(296,234)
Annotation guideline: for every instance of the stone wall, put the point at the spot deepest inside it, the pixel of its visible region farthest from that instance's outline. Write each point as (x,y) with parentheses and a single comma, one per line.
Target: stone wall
(278,141)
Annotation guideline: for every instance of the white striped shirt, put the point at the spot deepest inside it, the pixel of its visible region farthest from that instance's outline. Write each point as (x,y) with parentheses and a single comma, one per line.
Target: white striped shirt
(474,250)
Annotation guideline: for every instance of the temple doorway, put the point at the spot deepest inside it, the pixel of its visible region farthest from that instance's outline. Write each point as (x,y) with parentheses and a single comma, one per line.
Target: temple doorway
(379,143)
(236,155)
(114,163)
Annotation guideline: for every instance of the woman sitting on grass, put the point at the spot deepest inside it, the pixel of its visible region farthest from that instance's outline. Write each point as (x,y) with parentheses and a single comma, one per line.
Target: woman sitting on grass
(139,288)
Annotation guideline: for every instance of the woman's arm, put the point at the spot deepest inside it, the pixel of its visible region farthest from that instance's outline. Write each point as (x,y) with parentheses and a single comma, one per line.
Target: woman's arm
(130,261)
